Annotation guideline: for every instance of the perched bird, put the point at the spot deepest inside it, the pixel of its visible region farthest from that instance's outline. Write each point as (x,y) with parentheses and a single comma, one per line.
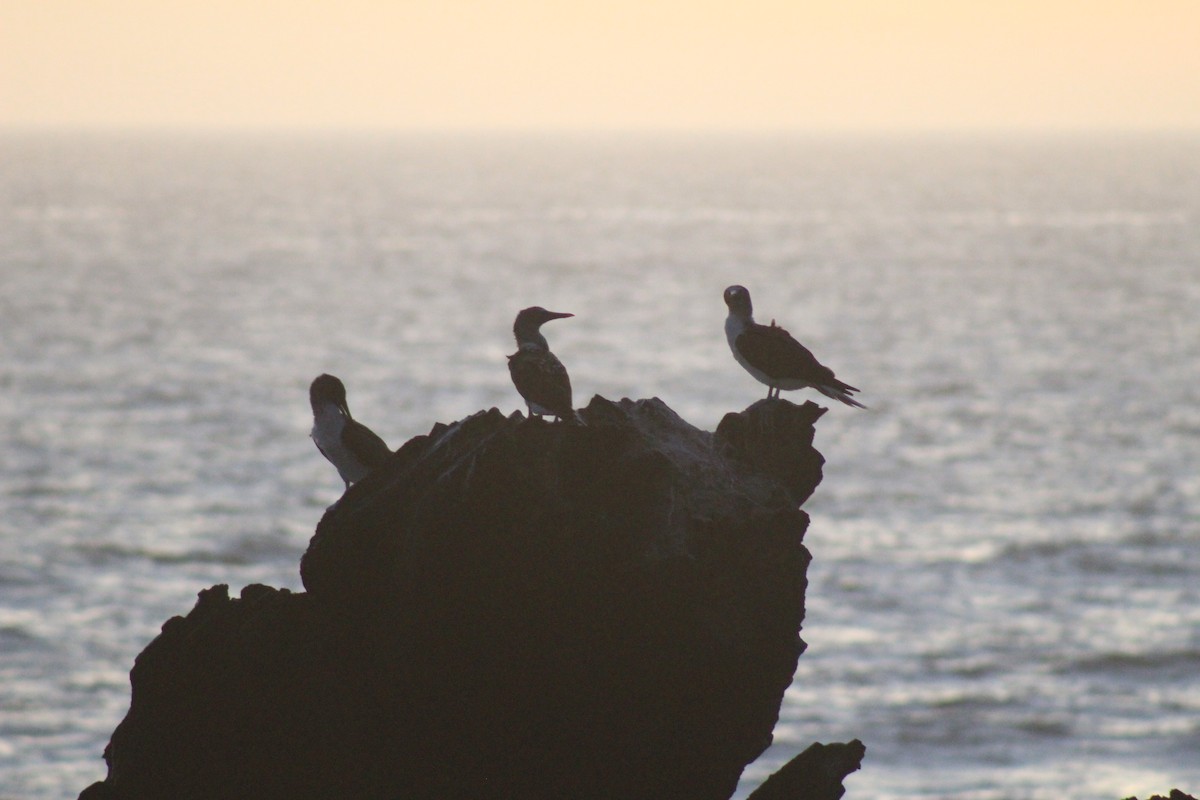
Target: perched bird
(536,372)
(773,357)
(349,445)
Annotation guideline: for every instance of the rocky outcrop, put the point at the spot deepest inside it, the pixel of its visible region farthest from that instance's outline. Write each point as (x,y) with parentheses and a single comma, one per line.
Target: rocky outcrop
(817,773)
(507,608)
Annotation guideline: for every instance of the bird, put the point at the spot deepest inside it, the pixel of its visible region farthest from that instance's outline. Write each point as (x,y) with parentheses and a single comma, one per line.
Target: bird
(348,444)
(773,357)
(539,376)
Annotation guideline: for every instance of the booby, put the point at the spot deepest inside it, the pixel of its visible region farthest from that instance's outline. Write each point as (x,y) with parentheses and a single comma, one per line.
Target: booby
(536,372)
(348,444)
(773,357)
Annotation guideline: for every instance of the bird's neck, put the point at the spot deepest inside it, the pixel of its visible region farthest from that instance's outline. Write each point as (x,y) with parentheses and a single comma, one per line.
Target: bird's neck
(530,336)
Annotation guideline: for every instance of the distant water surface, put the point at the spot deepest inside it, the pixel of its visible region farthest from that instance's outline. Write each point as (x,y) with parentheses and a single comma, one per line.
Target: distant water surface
(1005,596)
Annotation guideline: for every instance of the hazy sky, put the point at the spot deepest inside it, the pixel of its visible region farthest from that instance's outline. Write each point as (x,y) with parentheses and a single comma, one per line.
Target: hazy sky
(695,64)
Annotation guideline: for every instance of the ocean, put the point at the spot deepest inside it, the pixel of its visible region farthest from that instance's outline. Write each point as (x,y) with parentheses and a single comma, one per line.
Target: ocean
(1004,600)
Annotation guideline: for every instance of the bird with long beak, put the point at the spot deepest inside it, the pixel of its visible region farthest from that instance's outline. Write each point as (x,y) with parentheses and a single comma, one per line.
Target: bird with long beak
(348,444)
(539,376)
(773,357)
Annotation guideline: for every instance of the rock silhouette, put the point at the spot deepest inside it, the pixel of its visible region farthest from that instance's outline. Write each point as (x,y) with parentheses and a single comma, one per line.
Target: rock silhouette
(816,773)
(507,608)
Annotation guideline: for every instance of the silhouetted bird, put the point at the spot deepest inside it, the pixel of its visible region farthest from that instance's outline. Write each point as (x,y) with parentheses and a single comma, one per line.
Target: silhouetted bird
(773,357)
(536,372)
(349,445)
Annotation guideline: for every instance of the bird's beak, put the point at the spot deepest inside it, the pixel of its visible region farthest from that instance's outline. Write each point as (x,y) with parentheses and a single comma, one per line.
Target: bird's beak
(557,315)
(345,407)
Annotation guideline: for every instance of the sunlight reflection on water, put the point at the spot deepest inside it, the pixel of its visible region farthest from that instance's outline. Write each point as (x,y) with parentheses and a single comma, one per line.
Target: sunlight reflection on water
(1001,602)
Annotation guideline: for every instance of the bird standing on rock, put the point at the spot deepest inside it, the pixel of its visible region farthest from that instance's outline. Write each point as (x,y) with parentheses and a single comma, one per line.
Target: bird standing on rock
(537,373)
(773,357)
(348,444)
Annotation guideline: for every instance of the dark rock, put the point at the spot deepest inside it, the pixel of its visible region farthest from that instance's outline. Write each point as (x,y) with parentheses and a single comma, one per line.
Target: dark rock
(508,608)
(265,696)
(1176,794)
(815,774)
(775,438)
(97,791)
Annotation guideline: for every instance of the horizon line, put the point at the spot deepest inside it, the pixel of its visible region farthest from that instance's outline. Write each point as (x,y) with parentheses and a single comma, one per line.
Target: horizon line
(474,131)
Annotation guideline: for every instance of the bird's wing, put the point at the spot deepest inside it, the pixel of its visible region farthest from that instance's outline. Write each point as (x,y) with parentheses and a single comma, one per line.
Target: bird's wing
(365,444)
(542,379)
(772,350)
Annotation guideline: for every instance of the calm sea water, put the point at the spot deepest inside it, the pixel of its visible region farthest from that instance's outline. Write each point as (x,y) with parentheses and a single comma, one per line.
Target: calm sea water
(1005,596)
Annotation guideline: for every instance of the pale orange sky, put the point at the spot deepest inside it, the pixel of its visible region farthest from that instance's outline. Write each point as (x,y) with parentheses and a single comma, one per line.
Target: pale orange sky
(618,64)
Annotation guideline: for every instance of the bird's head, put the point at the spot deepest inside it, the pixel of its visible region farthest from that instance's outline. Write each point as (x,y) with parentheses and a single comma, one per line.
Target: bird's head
(529,320)
(738,300)
(327,390)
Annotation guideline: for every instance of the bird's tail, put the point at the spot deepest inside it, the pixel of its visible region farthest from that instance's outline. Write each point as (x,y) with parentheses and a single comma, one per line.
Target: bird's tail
(840,391)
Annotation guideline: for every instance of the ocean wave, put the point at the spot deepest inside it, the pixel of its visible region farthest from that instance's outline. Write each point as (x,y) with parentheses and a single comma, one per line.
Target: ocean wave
(1179,663)
(242,551)
(1139,554)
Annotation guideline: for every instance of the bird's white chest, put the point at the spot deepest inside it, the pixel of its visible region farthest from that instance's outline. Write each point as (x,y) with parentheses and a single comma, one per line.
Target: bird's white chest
(733,329)
(734,326)
(327,433)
